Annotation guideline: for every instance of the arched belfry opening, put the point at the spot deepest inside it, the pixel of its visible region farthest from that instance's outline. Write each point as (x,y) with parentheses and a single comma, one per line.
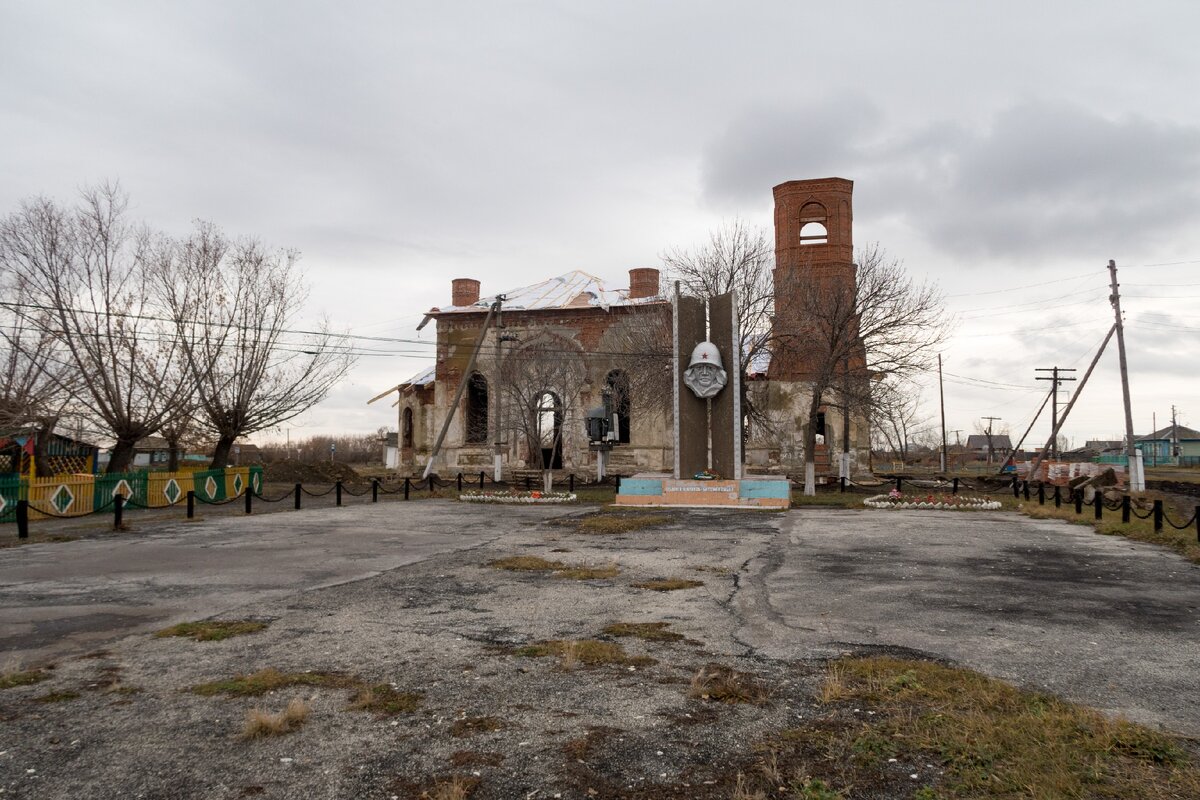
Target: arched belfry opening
(813,230)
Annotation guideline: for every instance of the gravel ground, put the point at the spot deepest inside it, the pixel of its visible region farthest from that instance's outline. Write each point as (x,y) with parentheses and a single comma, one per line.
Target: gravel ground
(405,596)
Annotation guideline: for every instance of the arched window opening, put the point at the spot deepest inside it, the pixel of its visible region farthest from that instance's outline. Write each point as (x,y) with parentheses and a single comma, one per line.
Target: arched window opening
(813,217)
(813,233)
(549,430)
(477,409)
(616,384)
(406,428)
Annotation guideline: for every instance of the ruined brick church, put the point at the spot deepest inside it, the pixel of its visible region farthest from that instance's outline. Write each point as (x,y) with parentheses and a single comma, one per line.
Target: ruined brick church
(589,323)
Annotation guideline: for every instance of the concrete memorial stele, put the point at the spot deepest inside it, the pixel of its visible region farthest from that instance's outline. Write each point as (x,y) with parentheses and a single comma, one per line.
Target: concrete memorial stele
(707,418)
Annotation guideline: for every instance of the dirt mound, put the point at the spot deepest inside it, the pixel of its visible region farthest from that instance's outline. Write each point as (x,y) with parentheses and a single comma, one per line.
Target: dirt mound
(302,472)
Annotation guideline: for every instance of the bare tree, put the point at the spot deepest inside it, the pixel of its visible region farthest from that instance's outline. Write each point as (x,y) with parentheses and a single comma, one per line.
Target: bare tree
(232,304)
(85,268)
(885,324)
(737,258)
(540,383)
(35,379)
(896,415)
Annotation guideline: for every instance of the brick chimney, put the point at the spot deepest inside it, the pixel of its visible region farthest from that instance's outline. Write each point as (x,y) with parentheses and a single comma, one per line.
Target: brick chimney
(464,292)
(643,282)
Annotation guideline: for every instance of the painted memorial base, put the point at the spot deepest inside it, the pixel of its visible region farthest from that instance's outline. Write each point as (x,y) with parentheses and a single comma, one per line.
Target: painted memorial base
(662,490)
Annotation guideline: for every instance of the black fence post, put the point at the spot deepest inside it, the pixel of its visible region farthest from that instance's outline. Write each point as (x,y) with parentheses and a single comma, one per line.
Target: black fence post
(1041,494)
(481,481)
(1058,497)
(1158,516)
(298,496)
(23,519)
(617,483)
(1016,487)
(1125,508)
(406,487)
(842,481)
(527,483)
(191,504)
(375,490)
(955,489)
(249,499)
(1098,501)
(898,481)
(1077,495)
(571,483)
(338,492)
(431,486)
(460,481)
(118,510)
(1025,489)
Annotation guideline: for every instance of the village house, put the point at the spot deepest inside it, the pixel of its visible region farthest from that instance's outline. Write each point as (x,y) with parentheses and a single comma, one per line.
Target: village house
(605,337)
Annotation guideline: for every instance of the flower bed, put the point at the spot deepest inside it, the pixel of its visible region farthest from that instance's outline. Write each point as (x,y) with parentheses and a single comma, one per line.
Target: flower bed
(543,498)
(939,502)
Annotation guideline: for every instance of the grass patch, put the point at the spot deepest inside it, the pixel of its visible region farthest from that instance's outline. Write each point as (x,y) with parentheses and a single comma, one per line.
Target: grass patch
(469,726)
(456,788)
(668,584)
(261,723)
(1141,530)
(587,652)
(213,630)
(526,564)
(986,738)
(270,680)
(560,570)
(718,683)
(386,701)
(28,677)
(650,631)
(57,697)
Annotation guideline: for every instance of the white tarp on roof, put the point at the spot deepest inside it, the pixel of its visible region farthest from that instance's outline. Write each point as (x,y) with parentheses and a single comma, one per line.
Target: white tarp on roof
(575,289)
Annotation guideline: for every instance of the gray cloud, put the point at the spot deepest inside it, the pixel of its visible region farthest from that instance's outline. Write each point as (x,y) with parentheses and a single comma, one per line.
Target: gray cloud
(1042,179)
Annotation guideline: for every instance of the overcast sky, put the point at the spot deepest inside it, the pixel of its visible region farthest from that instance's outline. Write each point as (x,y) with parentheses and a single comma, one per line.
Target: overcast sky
(1006,154)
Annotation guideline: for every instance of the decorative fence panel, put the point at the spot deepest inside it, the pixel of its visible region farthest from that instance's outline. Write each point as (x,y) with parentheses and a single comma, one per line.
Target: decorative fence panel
(11,490)
(62,496)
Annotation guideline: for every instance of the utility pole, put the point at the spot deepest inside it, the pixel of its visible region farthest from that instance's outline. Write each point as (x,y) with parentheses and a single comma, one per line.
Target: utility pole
(942,402)
(1054,400)
(1137,479)
(1174,434)
(989,437)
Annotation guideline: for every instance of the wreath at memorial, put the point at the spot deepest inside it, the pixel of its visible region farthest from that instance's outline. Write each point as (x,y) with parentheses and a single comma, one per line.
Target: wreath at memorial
(937,502)
(522,498)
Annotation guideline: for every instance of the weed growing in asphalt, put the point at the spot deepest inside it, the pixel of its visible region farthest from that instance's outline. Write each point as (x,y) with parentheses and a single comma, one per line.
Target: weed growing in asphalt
(384,700)
(586,652)
(213,630)
(57,697)
(270,679)
(668,584)
(559,569)
(650,631)
(469,726)
(263,723)
(28,677)
(721,684)
(614,522)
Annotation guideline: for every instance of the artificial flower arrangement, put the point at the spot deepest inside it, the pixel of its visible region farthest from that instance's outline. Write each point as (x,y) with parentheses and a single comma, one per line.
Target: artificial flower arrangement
(538,497)
(943,502)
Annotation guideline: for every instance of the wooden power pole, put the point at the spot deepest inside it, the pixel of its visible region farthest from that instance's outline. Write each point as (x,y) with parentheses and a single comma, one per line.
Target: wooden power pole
(942,402)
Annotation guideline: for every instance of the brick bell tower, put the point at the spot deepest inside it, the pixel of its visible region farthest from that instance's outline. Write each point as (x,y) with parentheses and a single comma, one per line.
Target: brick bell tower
(814,244)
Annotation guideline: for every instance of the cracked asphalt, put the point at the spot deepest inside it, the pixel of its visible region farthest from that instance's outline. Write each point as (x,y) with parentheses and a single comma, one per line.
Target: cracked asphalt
(402,594)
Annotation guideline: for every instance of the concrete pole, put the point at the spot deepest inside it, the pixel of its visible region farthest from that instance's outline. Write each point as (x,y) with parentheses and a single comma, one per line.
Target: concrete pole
(1137,478)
